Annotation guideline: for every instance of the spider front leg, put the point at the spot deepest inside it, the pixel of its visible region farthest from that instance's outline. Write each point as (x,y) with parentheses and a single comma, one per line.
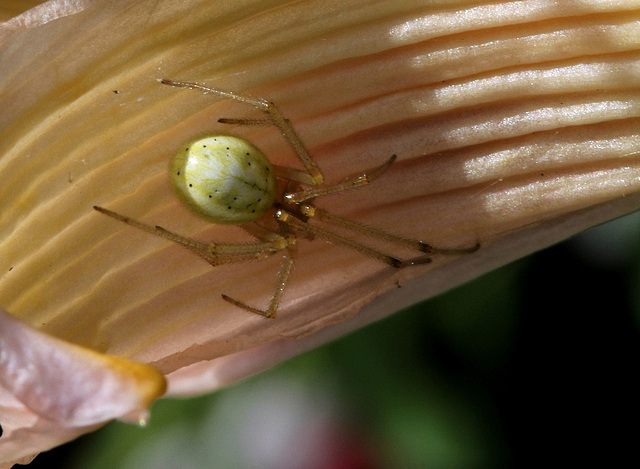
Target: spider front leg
(318,232)
(358,181)
(295,198)
(310,211)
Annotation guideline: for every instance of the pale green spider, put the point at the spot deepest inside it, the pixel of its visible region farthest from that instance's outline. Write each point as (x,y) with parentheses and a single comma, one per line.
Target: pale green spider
(227,180)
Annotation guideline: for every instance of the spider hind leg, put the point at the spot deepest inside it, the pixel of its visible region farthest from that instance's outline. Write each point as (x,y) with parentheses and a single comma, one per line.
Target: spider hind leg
(283,276)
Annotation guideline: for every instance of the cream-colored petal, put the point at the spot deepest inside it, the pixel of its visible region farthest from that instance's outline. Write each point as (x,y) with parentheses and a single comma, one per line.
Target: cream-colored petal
(515,124)
(52,391)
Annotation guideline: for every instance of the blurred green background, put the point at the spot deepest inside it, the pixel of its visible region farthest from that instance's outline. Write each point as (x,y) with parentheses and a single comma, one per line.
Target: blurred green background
(533,364)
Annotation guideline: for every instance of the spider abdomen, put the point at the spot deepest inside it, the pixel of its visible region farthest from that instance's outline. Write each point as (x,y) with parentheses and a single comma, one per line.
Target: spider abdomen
(225,179)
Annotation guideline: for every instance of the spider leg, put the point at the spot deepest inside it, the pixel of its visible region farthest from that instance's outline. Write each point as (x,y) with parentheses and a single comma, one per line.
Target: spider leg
(283,276)
(214,253)
(358,181)
(322,233)
(248,121)
(314,176)
(351,183)
(322,215)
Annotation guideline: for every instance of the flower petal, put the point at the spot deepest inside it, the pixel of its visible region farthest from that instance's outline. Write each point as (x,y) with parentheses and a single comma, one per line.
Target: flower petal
(52,391)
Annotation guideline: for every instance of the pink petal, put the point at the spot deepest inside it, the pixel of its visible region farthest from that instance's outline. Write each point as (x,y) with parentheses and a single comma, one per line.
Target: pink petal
(52,391)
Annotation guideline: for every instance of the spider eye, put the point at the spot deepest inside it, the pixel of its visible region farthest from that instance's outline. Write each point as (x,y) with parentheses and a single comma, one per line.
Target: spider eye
(223,178)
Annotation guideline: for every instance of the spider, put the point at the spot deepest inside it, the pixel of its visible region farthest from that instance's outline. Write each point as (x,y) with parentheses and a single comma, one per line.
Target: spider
(227,180)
